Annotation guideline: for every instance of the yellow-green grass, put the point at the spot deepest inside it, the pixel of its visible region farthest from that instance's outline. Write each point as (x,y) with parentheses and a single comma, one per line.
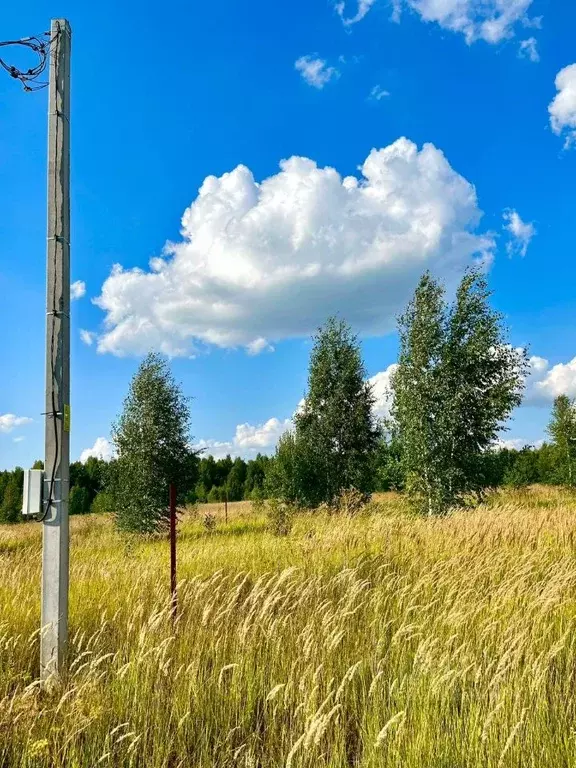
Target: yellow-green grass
(379,641)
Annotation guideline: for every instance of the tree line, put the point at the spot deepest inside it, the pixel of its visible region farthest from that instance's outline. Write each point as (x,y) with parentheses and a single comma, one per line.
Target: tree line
(456,383)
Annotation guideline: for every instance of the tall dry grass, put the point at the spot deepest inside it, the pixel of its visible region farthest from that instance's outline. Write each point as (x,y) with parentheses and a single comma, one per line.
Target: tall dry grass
(377,641)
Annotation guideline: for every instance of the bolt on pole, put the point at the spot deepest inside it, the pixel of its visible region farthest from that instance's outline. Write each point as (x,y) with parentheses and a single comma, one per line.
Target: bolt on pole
(55,537)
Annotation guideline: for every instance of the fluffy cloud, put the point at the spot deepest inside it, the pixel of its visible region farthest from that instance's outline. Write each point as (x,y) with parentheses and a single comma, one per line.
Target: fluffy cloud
(216,448)
(272,260)
(563,107)
(315,71)
(9,422)
(378,93)
(77,290)
(102,449)
(261,437)
(545,382)
(248,440)
(382,391)
(489,20)
(520,231)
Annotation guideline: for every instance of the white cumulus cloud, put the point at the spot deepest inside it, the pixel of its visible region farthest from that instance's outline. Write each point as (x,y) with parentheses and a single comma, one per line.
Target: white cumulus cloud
(521,233)
(489,20)
(562,108)
(382,390)
(261,437)
(77,289)
(248,440)
(9,422)
(545,382)
(216,448)
(102,449)
(270,260)
(315,71)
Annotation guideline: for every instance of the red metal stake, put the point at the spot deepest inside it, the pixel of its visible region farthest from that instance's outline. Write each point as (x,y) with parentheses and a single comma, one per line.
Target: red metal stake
(173,549)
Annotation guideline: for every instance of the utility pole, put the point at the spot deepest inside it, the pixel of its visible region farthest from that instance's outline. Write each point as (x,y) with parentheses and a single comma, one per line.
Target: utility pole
(55,538)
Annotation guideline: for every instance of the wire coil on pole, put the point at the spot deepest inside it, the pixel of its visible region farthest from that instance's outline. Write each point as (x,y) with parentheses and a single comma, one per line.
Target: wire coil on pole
(29,77)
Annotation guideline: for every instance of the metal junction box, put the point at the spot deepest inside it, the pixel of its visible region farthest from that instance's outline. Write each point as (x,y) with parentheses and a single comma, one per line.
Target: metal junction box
(32,496)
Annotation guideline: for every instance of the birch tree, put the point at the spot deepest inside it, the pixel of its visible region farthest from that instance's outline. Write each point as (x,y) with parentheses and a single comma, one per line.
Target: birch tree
(457,382)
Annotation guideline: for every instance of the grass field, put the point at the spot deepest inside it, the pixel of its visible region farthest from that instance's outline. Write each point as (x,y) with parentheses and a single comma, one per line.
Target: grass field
(378,641)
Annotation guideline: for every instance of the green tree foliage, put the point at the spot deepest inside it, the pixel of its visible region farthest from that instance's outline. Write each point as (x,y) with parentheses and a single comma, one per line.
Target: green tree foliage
(223,469)
(79,501)
(216,494)
(418,397)
(291,474)
(456,384)
(497,464)
(547,463)
(11,506)
(236,480)
(207,472)
(4,478)
(523,470)
(87,480)
(562,430)
(256,470)
(103,503)
(389,473)
(151,438)
(200,493)
(335,438)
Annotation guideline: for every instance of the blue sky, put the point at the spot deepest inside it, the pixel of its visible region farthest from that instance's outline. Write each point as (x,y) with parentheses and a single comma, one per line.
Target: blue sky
(164,97)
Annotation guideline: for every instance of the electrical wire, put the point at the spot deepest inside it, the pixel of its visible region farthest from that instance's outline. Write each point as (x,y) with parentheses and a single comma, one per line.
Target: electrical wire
(29,78)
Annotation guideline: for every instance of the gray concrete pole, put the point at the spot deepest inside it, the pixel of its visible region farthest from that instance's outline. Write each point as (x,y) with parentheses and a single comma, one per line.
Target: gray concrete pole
(54,635)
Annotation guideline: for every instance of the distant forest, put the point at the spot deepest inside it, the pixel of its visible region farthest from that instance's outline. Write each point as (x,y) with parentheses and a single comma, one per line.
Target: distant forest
(215,480)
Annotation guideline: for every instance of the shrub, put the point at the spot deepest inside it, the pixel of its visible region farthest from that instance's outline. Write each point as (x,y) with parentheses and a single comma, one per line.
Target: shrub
(280,516)
(215,495)
(209,522)
(102,503)
(258,501)
(350,502)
